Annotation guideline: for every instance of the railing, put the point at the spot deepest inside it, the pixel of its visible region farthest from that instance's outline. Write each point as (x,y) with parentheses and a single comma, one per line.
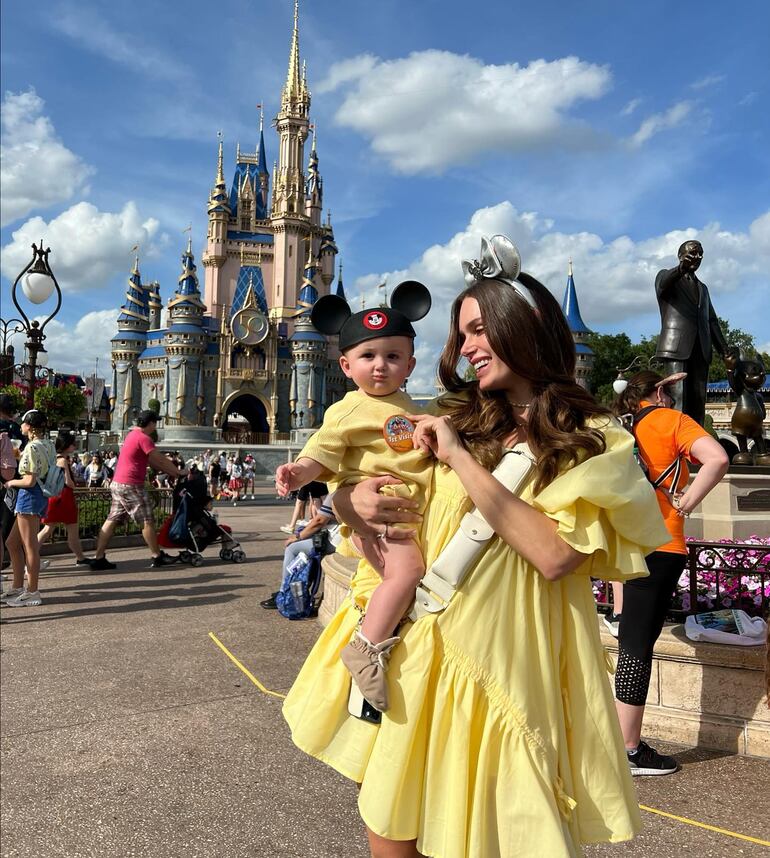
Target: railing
(94,507)
(245,439)
(719,575)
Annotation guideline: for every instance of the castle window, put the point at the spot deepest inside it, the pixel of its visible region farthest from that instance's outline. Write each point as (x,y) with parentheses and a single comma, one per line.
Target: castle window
(245,225)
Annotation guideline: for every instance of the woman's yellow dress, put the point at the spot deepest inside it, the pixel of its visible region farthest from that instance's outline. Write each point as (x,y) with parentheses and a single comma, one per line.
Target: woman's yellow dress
(502,738)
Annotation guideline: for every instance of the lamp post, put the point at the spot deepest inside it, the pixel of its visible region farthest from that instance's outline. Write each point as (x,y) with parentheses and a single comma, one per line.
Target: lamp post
(38,286)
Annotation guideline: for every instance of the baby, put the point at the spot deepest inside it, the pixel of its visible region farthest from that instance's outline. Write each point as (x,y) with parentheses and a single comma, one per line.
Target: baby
(367,434)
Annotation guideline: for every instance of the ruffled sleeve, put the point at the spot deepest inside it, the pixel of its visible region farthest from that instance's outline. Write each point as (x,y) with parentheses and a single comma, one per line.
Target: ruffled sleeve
(606,508)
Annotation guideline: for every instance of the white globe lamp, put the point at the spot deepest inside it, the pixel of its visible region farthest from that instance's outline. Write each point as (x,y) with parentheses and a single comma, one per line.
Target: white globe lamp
(37,287)
(619,385)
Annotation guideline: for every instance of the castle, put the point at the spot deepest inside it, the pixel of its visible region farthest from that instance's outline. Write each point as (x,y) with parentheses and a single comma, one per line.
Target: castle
(584,354)
(244,345)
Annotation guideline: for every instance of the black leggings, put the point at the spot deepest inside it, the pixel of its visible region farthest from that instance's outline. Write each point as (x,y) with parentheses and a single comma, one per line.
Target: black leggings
(646,602)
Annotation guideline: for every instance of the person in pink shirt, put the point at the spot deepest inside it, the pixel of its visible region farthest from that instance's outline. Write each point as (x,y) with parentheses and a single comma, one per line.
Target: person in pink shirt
(129,494)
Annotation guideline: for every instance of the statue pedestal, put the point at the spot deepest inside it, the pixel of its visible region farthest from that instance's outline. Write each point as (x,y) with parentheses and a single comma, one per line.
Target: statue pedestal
(737,508)
(206,436)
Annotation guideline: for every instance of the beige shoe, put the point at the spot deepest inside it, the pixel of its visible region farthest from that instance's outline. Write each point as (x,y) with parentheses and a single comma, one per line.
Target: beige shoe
(367,663)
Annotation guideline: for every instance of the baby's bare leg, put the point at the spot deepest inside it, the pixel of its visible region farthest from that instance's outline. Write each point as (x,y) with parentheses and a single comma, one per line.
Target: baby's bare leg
(403,568)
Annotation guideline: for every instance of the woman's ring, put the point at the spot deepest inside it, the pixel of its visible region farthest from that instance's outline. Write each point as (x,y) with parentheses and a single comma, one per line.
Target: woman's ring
(384,534)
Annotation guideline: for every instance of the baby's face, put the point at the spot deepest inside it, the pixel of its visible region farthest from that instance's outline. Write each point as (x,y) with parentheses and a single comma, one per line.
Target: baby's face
(379,367)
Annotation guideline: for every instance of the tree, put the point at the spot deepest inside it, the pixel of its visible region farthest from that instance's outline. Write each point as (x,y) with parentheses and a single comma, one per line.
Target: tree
(19,400)
(60,404)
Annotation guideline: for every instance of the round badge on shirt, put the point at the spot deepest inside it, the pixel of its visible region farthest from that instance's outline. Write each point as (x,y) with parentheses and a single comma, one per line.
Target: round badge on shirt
(398,431)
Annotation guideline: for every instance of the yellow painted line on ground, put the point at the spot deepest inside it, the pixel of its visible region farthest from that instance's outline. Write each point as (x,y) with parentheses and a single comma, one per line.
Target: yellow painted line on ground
(707,827)
(245,670)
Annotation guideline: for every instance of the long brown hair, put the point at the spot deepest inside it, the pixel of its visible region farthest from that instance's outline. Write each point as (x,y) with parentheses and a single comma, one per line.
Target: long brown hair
(537,346)
(640,386)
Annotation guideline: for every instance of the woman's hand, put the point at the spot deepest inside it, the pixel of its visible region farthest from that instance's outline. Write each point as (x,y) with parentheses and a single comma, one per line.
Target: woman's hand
(363,508)
(436,435)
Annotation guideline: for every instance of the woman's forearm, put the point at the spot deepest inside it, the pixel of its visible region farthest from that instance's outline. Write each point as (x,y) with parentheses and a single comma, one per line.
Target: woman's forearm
(25,482)
(708,476)
(529,532)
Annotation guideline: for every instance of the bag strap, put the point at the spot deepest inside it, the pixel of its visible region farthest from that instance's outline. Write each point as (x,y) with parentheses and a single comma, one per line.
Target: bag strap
(674,468)
(449,569)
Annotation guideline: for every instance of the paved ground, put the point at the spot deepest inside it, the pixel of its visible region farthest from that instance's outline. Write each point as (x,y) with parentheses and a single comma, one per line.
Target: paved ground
(127,732)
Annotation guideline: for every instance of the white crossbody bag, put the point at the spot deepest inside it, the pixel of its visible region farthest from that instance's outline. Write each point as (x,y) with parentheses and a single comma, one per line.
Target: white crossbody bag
(448,570)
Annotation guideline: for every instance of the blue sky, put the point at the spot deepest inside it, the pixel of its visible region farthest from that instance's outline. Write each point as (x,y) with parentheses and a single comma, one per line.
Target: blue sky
(602,131)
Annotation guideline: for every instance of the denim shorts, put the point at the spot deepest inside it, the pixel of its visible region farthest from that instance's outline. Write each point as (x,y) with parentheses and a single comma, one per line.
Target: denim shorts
(31,501)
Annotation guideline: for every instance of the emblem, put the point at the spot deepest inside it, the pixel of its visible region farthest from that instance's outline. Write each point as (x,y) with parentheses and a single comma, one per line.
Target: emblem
(398,431)
(375,320)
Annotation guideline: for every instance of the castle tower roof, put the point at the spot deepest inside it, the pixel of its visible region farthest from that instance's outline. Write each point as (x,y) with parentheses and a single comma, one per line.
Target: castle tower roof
(218,201)
(571,308)
(340,288)
(135,313)
(186,307)
(295,88)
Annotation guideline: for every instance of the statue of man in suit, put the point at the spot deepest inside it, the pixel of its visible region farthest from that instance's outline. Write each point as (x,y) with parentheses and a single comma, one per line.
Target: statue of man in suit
(689,330)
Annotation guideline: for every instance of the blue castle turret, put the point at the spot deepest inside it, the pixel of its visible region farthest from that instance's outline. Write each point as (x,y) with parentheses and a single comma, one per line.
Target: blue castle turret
(580,332)
(307,389)
(127,345)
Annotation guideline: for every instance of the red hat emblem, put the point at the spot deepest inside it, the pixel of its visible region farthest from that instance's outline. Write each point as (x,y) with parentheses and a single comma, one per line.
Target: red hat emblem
(375,320)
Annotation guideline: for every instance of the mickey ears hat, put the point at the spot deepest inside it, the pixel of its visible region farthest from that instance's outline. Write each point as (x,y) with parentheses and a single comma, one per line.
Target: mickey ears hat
(409,302)
(499,260)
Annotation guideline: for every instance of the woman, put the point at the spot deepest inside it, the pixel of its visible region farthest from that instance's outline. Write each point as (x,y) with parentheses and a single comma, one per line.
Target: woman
(501,739)
(236,479)
(64,509)
(96,473)
(31,503)
(664,438)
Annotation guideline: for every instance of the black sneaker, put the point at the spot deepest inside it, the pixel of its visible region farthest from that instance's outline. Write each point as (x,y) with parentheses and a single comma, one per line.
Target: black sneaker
(86,561)
(612,621)
(270,604)
(647,761)
(162,559)
(100,564)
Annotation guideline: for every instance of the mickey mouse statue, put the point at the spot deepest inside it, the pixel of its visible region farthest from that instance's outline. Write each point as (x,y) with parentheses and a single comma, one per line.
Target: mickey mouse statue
(746,377)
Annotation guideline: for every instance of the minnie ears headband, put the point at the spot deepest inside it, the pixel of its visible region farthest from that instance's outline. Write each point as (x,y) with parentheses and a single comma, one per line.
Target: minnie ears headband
(499,260)
(409,302)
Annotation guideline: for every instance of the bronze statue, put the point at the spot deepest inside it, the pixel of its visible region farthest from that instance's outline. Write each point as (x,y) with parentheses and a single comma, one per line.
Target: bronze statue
(746,377)
(688,330)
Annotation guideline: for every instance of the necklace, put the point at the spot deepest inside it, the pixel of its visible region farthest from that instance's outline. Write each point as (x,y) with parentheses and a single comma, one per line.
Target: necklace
(521,404)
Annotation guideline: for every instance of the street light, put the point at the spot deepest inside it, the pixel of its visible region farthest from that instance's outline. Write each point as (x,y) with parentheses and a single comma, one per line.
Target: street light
(38,286)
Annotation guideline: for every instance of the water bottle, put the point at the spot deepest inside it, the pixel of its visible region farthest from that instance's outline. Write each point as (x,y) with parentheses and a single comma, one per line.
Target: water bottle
(298,596)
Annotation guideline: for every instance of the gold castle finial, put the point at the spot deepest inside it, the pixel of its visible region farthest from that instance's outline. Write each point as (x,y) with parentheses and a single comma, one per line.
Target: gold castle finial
(188,230)
(293,89)
(570,266)
(220,161)
(135,251)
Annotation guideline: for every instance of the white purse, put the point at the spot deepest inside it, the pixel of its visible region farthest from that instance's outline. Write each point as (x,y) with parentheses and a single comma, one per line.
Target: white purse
(448,571)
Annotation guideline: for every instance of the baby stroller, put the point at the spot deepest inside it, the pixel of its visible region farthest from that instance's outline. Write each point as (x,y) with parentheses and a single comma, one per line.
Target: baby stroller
(193,528)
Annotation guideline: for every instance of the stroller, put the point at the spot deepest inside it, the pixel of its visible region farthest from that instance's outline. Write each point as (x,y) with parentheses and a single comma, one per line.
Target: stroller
(193,528)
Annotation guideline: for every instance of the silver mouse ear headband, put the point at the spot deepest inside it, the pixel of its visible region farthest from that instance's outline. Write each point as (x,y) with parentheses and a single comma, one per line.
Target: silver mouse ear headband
(499,260)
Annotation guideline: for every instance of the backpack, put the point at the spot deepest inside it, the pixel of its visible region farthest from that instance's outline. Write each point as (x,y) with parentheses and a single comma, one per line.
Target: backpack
(177,532)
(298,597)
(52,483)
(630,422)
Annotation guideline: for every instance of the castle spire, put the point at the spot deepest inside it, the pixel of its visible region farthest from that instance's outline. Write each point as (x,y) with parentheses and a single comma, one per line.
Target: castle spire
(292,91)
(570,306)
(220,164)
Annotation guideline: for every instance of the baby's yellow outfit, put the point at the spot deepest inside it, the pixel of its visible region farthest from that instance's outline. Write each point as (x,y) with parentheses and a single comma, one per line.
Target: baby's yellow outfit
(351,444)
(501,739)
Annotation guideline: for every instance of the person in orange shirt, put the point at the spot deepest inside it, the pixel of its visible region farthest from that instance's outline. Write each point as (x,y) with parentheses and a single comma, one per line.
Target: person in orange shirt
(666,441)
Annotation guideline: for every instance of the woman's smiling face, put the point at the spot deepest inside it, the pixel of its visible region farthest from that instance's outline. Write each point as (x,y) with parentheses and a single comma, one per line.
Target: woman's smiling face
(492,373)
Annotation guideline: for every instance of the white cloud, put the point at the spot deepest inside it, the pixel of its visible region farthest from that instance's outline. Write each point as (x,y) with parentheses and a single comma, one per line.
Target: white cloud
(88,246)
(87,27)
(707,82)
(36,168)
(346,71)
(73,349)
(631,107)
(661,121)
(615,279)
(436,108)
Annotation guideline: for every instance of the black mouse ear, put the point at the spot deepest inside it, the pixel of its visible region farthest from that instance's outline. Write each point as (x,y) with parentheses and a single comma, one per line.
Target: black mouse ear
(412,299)
(329,314)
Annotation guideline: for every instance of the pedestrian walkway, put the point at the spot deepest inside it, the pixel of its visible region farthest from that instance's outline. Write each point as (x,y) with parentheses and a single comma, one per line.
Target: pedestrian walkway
(128,728)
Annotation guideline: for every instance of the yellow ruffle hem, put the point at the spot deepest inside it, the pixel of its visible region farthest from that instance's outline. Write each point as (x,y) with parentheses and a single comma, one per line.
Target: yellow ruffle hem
(502,738)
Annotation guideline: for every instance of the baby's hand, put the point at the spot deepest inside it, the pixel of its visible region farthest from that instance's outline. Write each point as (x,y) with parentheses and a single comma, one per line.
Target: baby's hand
(288,478)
